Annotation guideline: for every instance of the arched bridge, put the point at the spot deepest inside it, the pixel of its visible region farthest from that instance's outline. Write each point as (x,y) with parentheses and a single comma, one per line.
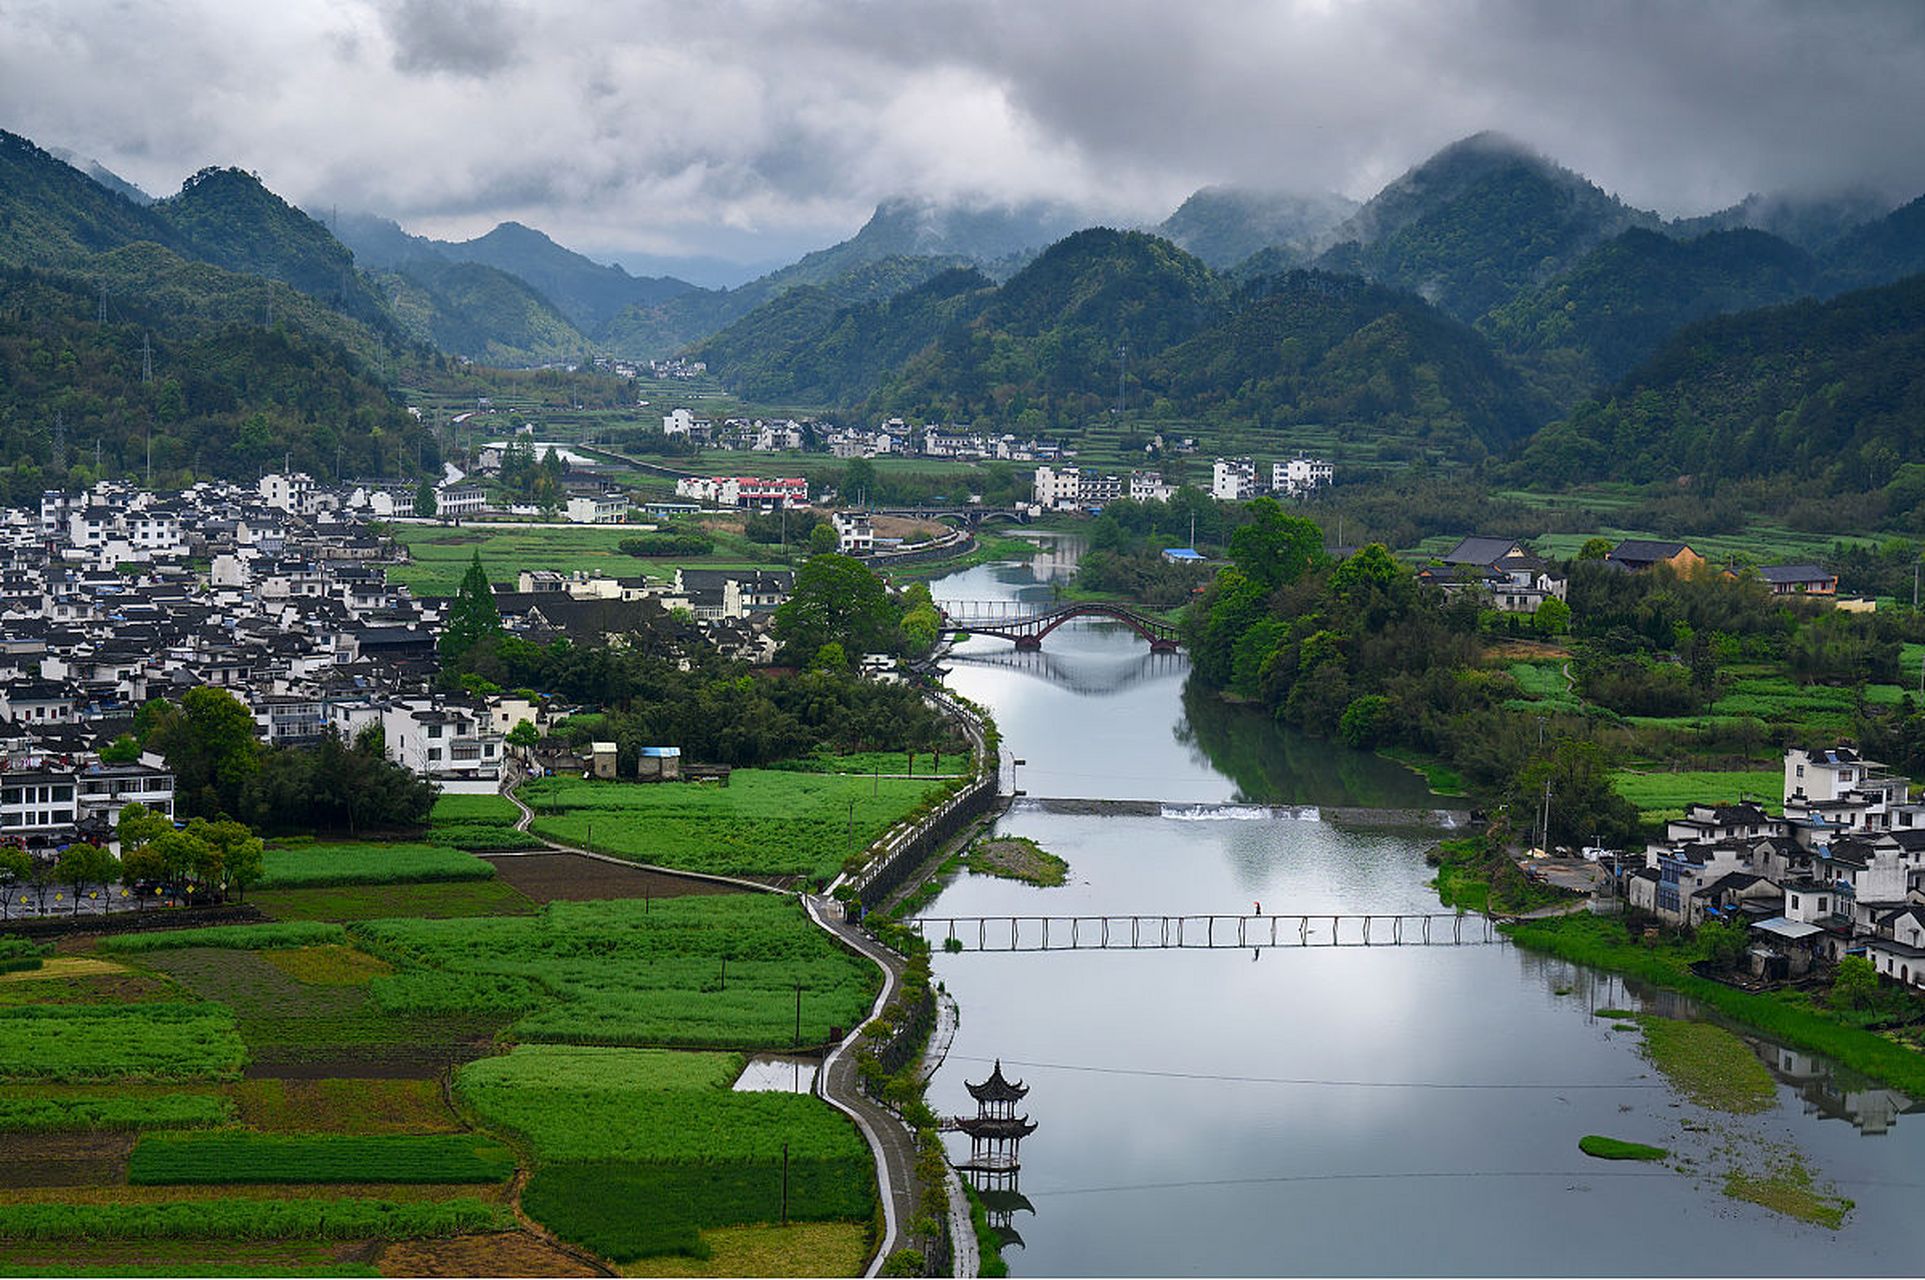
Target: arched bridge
(969,516)
(1027,623)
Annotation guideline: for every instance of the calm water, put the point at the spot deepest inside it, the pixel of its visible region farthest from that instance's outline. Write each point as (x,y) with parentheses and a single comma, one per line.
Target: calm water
(1396,1110)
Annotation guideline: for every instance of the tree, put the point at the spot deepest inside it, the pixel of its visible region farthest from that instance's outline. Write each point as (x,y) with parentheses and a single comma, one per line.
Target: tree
(858,480)
(209,743)
(185,859)
(1724,942)
(123,750)
(234,853)
(830,657)
(1595,549)
(836,598)
(16,873)
(472,617)
(1552,617)
(823,539)
(82,865)
(1274,547)
(524,734)
(425,501)
(1855,986)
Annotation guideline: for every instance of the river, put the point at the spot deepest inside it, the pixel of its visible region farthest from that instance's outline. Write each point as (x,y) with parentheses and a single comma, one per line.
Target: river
(1392,1110)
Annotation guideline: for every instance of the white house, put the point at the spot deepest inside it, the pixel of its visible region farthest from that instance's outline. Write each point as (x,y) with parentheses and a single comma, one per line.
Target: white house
(598,508)
(1233,480)
(855,533)
(1300,475)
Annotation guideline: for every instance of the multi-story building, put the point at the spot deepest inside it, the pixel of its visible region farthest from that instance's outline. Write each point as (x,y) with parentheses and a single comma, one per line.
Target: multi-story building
(441,740)
(1300,475)
(1233,480)
(855,533)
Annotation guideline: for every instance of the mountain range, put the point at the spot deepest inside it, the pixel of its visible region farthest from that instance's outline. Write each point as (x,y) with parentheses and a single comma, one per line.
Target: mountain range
(1483,294)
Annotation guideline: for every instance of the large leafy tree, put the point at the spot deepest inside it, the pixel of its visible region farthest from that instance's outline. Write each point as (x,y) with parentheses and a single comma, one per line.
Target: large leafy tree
(1275,548)
(209,742)
(836,598)
(472,617)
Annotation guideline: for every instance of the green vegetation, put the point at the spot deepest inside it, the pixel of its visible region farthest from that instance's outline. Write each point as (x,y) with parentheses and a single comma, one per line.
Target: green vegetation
(765,822)
(306,866)
(651,1106)
(270,1104)
(149,1041)
(1789,1189)
(1709,1065)
(29,1113)
(629,1211)
(439,555)
(1604,1148)
(328,965)
(452,809)
(168,1159)
(345,1218)
(227,937)
(642,973)
(376,902)
(1665,795)
(1017,858)
(1475,874)
(17,954)
(1788,1017)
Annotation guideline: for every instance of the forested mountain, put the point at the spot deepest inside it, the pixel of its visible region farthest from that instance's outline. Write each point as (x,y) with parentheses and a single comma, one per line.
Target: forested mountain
(1810,222)
(1480,222)
(102,174)
(1226,225)
(1590,325)
(226,217)
(51,212)
(1310,347)
(809,347)
(227,396)
(1832,393)
(1889,248)
(476,311)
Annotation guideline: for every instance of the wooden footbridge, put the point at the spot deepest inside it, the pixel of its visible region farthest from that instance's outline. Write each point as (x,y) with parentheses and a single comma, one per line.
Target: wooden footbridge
(1202,933)
(1026,622)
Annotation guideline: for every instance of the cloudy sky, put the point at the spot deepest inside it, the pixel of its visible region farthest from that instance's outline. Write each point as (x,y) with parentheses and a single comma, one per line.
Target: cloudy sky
(750,130)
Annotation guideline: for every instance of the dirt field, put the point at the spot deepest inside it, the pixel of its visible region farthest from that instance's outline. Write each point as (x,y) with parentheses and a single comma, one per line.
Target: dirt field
(63,1159)
(508,1253)
(569,877)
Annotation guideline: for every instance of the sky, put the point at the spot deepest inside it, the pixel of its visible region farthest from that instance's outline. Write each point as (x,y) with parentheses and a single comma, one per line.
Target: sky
(749,131)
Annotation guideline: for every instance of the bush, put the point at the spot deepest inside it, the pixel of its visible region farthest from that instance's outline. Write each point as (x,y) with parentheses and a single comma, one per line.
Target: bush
(217,1158)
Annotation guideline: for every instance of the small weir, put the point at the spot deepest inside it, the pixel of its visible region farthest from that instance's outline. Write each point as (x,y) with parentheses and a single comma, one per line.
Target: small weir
(1352,816)
(1201,933)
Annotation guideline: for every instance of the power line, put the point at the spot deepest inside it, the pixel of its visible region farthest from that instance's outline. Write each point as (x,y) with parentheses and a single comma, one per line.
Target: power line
(1308,1081)
(1583,1175)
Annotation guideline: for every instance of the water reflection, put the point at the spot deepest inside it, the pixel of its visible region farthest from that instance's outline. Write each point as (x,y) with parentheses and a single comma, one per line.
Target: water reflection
(1081,674)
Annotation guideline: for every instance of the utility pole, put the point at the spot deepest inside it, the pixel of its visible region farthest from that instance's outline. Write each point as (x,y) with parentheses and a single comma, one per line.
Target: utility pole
(146,360)
(103,302)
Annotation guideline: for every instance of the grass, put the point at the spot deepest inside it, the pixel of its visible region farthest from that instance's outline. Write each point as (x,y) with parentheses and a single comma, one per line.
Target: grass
(1017,858)
(1788,1189)
(308,866)
(438,901)
(231,937)
(441,554)
(155,1041)
(648,1106)
(1777,699)
(1603,1148)
(872,762)
(1441,778)
(492,810)
(765,822)
(270,1104)
(180,1258)
(799,1249)
(24,1113)
(294,1219)
(1476,876)
(652,973)
(167,1159)
(1602,943)
(1657,795)
(1709,1065)
(328,965)
(630,1211)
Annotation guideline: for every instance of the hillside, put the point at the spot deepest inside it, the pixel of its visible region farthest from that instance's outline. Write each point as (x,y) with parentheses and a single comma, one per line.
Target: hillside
(226,217)
(1477,224)
(1591,324)
(226,399)
(1226,225)
(1310,347)
(1889,248)
(807,347)
(1831,393)
(52,213)
(471,310)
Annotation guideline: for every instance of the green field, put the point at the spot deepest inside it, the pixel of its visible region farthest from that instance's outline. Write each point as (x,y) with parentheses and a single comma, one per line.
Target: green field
(28,1113)
(440,554)
(438,901)
(641,973)
(486,810)
(344,1218)
(305,866)
(174,1159)
(231,937)
(1664,795)
(765,822)
(155,1041)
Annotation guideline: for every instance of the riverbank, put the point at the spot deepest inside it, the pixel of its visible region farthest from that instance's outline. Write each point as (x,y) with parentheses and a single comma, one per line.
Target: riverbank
(1787,1016)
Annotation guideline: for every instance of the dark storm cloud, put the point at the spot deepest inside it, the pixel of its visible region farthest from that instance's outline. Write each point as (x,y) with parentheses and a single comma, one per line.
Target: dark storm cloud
(670,127)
